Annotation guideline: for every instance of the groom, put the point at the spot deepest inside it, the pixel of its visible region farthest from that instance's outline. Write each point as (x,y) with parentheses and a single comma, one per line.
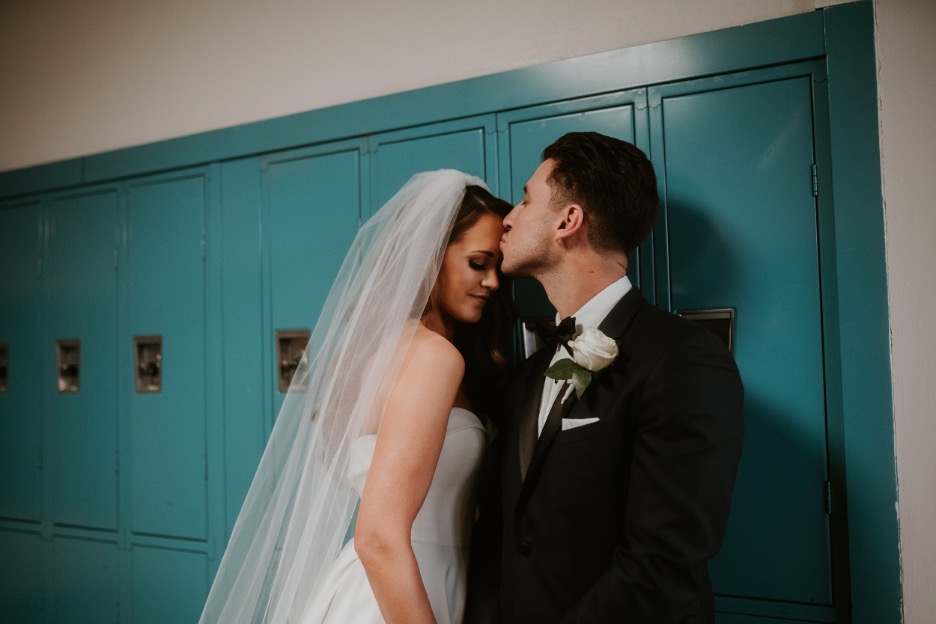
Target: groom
(607,506)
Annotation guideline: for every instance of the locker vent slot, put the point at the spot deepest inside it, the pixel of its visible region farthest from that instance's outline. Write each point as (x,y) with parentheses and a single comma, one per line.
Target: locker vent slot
(290,357)
(147,360)
(68,365)
(720,321)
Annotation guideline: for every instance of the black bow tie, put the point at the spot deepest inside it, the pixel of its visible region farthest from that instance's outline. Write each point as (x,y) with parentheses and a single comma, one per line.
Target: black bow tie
(551,334)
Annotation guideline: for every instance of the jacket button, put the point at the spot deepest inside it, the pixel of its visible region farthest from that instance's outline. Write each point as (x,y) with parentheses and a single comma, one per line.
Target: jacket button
(526,548)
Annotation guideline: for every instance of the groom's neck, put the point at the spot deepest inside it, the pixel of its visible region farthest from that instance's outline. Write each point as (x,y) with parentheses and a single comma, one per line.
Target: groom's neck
(573,283)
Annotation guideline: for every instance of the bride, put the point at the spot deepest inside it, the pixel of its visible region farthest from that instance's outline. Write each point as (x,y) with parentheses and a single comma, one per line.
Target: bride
(383,415)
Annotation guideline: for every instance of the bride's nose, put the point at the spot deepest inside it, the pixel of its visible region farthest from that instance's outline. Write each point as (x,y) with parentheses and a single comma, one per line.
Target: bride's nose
(490,281)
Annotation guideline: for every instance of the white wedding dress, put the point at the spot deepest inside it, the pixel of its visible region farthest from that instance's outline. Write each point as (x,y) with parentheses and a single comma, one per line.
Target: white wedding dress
(441,533)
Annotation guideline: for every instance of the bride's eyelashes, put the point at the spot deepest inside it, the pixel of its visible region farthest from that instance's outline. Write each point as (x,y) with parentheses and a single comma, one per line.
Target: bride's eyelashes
(483,262)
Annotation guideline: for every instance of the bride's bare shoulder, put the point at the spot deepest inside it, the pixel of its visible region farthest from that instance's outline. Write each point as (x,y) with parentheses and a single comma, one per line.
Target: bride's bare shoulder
(429,349)
(432,366)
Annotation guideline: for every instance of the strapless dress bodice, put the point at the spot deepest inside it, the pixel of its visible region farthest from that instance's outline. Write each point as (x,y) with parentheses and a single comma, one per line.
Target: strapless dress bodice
(441,534)
(447,514)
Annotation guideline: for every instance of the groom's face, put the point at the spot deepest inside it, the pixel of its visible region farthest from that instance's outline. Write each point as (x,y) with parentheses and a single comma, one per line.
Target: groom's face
(528,243)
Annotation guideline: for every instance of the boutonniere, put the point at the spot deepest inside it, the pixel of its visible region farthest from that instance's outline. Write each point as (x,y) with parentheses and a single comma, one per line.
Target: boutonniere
(592,352)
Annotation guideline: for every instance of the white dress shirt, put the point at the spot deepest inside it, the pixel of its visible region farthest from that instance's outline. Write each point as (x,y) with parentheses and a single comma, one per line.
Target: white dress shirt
(589,315)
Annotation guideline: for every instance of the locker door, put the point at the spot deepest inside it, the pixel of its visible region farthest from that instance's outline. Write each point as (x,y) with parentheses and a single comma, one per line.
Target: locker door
(244,366)
(85,581)
(311,212)
(466,145)
(20,404)
(169,585)
(524,134)
(21,546)
(21,559)
(164,278)
(740,231)
(81,295)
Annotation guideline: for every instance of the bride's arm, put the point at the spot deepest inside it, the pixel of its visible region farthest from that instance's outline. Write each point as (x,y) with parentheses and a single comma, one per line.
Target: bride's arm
(408,447)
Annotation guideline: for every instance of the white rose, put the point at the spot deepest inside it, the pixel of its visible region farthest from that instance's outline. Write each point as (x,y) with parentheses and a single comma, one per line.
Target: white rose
(594,351)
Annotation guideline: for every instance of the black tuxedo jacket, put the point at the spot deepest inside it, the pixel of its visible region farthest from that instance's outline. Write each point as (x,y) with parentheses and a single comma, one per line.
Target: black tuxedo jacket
(616,520)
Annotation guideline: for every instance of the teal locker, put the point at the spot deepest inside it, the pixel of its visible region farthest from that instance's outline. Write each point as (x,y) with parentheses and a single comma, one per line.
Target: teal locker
(527,132)
(686,267)
(246,400)
(81,286)
(466,145)
(84,581)
(159,573)
(20,576)
(164,298)
(20,403)
(311,212)
(740,232)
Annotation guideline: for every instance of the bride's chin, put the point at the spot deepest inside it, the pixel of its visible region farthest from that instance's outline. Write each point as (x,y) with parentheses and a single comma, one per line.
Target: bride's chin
(471,319)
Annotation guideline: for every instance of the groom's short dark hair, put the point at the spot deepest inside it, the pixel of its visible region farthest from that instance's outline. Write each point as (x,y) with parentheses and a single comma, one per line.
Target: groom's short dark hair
(612,180)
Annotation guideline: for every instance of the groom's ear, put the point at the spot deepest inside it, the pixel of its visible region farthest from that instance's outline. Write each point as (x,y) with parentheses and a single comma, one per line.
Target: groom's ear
(572,222)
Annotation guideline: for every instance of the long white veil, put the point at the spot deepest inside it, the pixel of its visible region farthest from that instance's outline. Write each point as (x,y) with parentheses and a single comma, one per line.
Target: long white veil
(298,509)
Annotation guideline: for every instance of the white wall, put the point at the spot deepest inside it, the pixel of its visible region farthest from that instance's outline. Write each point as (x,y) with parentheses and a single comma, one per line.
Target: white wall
(84,77)
(907,91)
(78,78)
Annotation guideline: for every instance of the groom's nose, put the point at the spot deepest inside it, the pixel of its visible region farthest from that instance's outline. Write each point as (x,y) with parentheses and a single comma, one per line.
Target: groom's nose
(507,220)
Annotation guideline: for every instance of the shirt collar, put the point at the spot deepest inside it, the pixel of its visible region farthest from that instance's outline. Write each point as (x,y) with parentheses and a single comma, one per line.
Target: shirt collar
(596,309)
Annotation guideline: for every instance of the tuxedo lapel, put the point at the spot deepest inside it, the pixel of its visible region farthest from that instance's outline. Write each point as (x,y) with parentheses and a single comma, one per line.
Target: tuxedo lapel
(535,448)
(550,428)
(619,318)
(529,416)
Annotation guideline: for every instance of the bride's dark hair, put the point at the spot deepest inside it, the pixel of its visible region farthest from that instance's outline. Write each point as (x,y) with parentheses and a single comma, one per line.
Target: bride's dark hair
(482,344)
